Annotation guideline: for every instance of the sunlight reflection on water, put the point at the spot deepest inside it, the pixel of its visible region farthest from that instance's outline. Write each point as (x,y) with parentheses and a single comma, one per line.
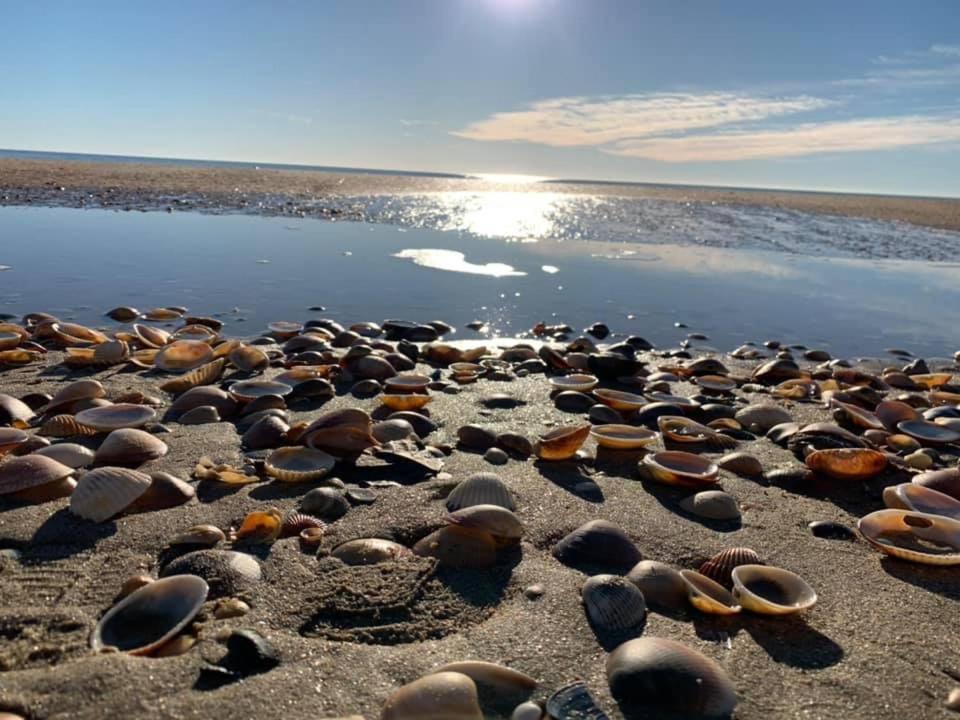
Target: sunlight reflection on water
(455,262)
(523,217)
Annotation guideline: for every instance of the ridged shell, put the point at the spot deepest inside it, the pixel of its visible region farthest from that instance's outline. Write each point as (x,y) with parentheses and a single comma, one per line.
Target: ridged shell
(916,537)
(445,695)
(613,603)
(708,596)
(294,523)
(69,454)
(459,547)
(669,679)
(114,417)
(482,488)
(206,374)
(79,390)
(107,491)
(720,566)
(370,551)
(847,463)
(111,353)
(150,616)
(561,443)
(769,590)
(505,527)
(30,471)
(298,464)
(712,505)
(662,586)
(183,355)
(600,544)
(129,447)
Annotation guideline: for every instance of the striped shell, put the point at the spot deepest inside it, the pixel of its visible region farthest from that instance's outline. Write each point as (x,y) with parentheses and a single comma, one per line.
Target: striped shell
(129,447)
(598,543)
(482,488)
(298,464)
(206,374)
(106,491)
(613,603)
(30,471)
(720,566)
(295,523)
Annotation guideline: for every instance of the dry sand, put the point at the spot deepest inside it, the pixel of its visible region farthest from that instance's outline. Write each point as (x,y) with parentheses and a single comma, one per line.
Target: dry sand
(73,183)
(883,641)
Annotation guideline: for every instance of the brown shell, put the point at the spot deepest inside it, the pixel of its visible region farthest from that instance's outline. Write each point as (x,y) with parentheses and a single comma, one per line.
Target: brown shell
(720,566)
(151,337)
(561,443)
(206,374)
(261,526)
(61,426)
(847,463)
(116,416)
(340,431)
(295,523)
(79,390)
(249,358)
(183,355)
(129,447)
(21,473)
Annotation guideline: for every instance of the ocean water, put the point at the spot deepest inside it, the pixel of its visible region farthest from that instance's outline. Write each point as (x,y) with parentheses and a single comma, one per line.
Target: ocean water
(509,260)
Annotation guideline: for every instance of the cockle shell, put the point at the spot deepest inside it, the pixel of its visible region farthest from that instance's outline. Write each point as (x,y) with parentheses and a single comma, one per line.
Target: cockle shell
(370,551)
(661,585)
(206,374)
(712,505)
(114,417)
(767,590)
(720,566)
(74,334)
(129,447)
(226,571)
(111,353)
(439,696)
(107,491)
(501,523)
(680,468)
(298,464)
(327,502)
(613,603)
(480,489)
(147,618)
(561,443)
(600,544)
(18,474)
(295,522)
(911,496)
(183,355)
(847,463)
(708,596)
(913,536)
(163,314)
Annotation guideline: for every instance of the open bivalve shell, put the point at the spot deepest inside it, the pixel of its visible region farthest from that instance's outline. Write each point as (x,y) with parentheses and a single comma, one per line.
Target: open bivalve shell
(917,537)
(708,596)
(114,417)
(561,443)
(675,467)
(298,464)
(623,437)
(107,491)
(146,618)
(619,400)
(770,590)
(578,382)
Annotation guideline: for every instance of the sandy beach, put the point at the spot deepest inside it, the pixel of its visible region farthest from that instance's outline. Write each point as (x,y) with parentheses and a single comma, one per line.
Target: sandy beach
(82,184)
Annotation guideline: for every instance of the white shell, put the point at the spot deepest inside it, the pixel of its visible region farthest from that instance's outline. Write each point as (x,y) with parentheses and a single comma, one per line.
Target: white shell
(106,491)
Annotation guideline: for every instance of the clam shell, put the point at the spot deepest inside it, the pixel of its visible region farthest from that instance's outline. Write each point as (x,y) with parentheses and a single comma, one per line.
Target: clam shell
(406,383)
(163,314)
(405,401)
(669,679)
(340,431)
(79,390)
(283,329)
(720,566)
(762,416)
(928,433)
(148,617)
(917,537)
(206,535)
(129,447)
(613,603)
(30,471)
(680,429)
(459,547)
(499,522)
(578,382)
(370,551)
(69,454)
(206,374)
(298,464)
(111,353)
(11,439)
(149,336)
(476,437)
(482,488)
(619,400)
(910,496)
(932,381)
(945,481)
(661,585)
(183,355)
(680,468)
(767,590)
(561,443)
(712,505)
(45,493)
(716,383)
(708,596)
(847,463)
(107,491)
(327,502)
(114,417)
(248,390)
(200,415)
(502,680)
(14,411)
(742,464)
(227,572)
(165,491)
(446,695)
(267,432)
(204,395)
(623,437)
(371,367)
(573,701)
(390,430)
(598,543)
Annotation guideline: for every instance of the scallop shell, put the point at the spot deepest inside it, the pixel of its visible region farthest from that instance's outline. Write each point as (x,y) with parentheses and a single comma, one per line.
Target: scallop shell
(183,355)
(623,437)
(248,390)
(578,382)
(708,596)
(405,401)
(767,590)
(114,417)
(483,488)
(669,679)
(30,471)
(447,695)
(712,505)
(561,443)
(204,395)
(129,447)
(598,543)
(720,566)
(910,496)
(206,374)
(79,390)
(661,585)
(680,468)
(107,491)
(847,463)
(147,618)
(340,431)
(370,551)
(459,547)
(298,464)
(917,537)
(613,603)
(502,524)
(945,481)
(618,400)
(65,426)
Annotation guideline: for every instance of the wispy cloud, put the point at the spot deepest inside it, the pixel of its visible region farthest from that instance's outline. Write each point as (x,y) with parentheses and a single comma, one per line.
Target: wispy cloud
(807,139)
(952,50)
(417,123)
(586,121)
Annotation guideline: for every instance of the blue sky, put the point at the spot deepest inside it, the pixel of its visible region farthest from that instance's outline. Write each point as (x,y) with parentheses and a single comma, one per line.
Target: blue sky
(821,95)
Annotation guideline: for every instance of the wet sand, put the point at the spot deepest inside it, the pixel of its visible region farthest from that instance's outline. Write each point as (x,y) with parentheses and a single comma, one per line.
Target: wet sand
(882,642)
(149,186)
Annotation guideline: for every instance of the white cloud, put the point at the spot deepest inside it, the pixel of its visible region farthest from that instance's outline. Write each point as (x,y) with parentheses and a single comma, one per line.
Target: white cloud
(807,139)
(953,50)
(586,121)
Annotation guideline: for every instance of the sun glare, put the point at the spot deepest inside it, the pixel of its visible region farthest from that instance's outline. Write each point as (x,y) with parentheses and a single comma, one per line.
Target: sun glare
(511,179)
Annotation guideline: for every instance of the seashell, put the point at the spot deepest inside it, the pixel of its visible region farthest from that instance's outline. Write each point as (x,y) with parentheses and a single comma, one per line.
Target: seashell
(129,447)
(610,365)
(919,498)
(298,464)
(248,390)
(147,618)
(65,426)
(459,547)
(422,425)
(442,695)
(267,432)
(199,333)
(69,454)
(829,530)
(708,596)
(370,551)
(114,417)
(312,536)
(762,416)
(205,535)
(515,444)
(111,353)
(9,340)
(206,469)
(228,573)
(679,468)
(407,383)
(79,390)
(928,433)
(74,334)
(767,590)
(163,314)
(661,585)
(932,381)
(561,443)
(669,679)
(900,443)
(716,384)
(151,337)
(327,502)
(712,505)
(613,603)
(944,481)
(14,412)
(776,371)
(123,314)
(943,397)
(230,608)
(405,401)
(340,431)
(622,401)
(623,437)
(165,491)
(857,416)
(261,526)
(130,585)
(19,357)
(390,430)
(203,395)
(917,537)
(200,415)
(183,355)
(107,491)
(476,437)
(11,439)
(684,430)
(502,680)
(295,523)
(283,329)
(371,367)
(502,524)
(206,374)
(847,463)
(578,382)
(482,488)
(598,543)
(574,702)
(742,464)
(18,474)
(720,566)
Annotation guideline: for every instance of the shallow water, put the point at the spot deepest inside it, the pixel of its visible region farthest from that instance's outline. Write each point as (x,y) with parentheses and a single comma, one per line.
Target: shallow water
(251,270)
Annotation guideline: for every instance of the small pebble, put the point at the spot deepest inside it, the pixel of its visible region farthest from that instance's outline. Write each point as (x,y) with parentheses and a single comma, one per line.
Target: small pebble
(534,592)
(496,456)
(230,608)
(919,460)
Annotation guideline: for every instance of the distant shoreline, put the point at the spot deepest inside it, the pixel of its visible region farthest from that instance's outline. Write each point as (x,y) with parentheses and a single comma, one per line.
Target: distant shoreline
(224,187)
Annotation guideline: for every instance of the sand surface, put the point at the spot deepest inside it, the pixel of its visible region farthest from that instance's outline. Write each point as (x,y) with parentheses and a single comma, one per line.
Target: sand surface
(121,185)
(883,641)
